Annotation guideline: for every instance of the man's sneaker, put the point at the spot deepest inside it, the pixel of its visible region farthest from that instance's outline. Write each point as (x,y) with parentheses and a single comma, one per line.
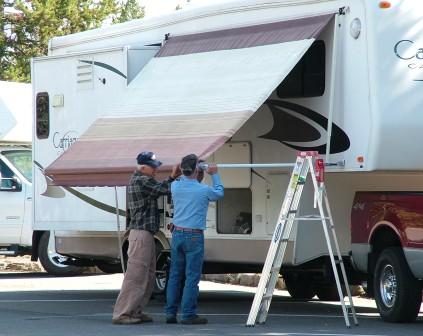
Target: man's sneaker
(145,318)
(171,319)
(195,320)
(126,320)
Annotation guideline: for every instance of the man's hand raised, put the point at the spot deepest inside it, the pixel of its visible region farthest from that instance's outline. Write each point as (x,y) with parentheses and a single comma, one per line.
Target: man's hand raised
(176,171)
(212,169)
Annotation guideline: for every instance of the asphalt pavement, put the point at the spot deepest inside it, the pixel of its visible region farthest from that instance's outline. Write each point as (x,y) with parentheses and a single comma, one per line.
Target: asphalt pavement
(38,304)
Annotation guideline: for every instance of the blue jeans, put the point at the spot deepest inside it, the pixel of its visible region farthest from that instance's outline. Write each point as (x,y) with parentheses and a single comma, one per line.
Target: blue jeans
(185,271)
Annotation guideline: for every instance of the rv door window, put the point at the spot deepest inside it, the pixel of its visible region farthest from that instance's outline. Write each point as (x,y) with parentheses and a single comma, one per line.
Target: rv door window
(42,115)
(234,212)
(307,79)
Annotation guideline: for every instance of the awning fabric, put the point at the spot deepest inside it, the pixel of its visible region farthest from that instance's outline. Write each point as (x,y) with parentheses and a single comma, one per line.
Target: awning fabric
(190,98)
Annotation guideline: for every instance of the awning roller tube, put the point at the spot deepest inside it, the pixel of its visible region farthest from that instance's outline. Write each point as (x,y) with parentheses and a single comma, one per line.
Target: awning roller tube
(250,165)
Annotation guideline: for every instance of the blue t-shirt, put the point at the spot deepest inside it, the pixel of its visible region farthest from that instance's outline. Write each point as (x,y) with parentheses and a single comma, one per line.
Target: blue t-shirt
(191,200)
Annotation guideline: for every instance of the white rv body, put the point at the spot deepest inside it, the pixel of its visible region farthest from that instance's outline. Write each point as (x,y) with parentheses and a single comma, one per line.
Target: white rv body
(373,81)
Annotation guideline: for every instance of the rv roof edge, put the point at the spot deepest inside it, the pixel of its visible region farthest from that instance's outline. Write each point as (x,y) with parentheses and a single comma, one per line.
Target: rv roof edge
(181,17)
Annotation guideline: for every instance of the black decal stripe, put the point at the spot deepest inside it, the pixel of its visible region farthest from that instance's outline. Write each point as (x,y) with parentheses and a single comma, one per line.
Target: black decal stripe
(95,203)
(290,129)
(87,199)
(105,66)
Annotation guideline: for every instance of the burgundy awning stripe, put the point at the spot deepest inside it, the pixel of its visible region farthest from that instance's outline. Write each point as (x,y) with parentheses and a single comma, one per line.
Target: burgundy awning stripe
(111,162)
(246,37)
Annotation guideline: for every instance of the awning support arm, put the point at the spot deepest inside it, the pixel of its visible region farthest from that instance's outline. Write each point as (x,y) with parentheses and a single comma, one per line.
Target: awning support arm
(122,261)
(332,88)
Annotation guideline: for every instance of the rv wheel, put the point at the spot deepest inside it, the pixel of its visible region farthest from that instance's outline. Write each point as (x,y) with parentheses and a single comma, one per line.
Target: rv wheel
(299,286)
(398,294)
(162,269)
(52,261)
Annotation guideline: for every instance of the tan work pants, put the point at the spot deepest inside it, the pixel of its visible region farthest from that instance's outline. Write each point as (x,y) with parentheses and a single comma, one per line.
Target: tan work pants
(138,283)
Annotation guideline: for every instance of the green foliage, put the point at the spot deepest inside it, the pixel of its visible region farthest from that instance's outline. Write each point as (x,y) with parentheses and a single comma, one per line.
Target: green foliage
(129,10)
(27,26)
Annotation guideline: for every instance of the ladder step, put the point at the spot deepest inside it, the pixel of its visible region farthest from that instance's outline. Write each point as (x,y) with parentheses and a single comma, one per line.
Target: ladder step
(293,211)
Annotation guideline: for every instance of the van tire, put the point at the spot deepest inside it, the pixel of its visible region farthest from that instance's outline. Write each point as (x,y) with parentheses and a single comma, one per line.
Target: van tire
(47,259)
(299,286)
(398,293)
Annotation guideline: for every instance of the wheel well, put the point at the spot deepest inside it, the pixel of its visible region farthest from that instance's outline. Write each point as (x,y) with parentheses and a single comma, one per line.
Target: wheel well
(384,237)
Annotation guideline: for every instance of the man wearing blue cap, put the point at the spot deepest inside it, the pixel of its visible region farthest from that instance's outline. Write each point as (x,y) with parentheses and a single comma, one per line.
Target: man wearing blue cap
(138,283)
(190,199)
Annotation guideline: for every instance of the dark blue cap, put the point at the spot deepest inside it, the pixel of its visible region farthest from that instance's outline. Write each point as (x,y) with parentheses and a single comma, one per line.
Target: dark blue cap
(148,159)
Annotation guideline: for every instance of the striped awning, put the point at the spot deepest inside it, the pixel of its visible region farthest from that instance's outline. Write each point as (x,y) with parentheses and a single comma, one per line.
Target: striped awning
(190,98)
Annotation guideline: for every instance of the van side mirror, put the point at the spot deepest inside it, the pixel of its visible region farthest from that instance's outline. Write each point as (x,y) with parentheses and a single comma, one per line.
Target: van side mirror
(10,184)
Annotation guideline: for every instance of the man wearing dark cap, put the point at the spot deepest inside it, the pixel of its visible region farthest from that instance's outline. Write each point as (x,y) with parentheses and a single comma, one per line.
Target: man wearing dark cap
(138,283)
(190,201)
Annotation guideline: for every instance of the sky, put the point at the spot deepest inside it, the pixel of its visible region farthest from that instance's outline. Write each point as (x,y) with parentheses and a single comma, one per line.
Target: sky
(158,7)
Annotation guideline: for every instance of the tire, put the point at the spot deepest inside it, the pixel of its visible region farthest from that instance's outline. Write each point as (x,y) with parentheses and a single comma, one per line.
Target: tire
(162,270)
(398,294)
(52,261)
(300,286)
(328,292)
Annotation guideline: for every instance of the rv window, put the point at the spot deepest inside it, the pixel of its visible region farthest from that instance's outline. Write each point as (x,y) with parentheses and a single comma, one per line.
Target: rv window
(42,115)
(234,212)
(307,79)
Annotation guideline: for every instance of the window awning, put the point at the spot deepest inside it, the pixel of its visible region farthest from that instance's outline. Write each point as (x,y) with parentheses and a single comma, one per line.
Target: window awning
(190,98)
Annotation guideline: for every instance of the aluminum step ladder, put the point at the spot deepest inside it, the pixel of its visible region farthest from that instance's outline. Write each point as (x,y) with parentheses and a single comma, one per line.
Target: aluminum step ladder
(304,164)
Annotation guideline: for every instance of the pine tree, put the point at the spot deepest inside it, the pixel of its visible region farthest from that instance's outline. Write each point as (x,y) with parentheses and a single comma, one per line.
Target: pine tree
(27,26)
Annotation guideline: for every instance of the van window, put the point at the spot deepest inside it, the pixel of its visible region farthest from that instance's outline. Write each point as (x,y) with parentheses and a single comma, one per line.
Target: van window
(22,161)
(42,115)
(6,176)
(234,212)
(307,78)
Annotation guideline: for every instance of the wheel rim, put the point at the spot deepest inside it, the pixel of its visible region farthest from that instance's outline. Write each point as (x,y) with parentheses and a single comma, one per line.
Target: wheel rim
(55,258)
(388,286)
(161,282)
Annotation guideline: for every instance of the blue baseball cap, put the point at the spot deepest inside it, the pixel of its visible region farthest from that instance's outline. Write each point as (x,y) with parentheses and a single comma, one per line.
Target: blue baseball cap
(148,159)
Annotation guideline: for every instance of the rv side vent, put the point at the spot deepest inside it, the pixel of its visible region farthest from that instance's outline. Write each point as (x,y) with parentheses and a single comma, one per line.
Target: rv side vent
(84,74)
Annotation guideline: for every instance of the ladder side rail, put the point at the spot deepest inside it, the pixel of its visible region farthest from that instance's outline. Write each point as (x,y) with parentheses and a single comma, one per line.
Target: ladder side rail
(264,278)
(274,245)
(330,250)
(338,251)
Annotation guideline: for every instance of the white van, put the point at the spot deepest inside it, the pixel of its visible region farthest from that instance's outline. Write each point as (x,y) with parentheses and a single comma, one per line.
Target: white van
(16,210)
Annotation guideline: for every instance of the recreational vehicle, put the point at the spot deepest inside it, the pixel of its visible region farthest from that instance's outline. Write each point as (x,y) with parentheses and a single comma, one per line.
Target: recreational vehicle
(245,82)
